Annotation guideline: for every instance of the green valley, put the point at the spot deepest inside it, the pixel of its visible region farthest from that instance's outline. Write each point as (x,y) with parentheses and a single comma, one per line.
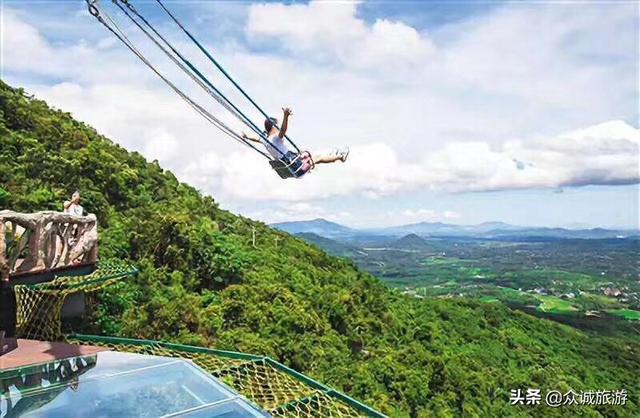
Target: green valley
(591,284)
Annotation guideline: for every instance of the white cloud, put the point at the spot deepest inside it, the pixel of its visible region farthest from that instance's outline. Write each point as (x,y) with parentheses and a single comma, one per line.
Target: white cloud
(450,215)
(286,211)
(602,154)
(160,145)
(333,30)
(28,52)
(19,41)
(423,215)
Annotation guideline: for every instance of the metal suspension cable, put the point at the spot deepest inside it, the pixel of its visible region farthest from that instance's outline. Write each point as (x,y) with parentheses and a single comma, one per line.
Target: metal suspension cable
(213,60)
(198,77)
(95,11)
(196,106)
(203,112)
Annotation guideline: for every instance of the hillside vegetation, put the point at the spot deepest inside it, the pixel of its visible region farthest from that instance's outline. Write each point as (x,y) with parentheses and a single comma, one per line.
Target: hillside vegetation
(203,283)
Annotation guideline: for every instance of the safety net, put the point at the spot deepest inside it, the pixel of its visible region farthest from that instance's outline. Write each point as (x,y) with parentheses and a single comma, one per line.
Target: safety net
(275,388)
(39,306)
(270,385)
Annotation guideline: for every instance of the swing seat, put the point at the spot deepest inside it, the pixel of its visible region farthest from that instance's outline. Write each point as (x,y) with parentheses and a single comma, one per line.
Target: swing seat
(281,168)
(295,168)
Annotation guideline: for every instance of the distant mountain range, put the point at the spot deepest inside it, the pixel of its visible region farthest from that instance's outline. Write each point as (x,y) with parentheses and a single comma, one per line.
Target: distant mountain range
(319,226)
(491,230)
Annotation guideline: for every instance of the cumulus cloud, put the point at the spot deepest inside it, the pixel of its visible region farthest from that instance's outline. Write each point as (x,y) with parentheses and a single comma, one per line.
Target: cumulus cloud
(26,51)
(286,212)
(334,30)
(423,215)
(603,154)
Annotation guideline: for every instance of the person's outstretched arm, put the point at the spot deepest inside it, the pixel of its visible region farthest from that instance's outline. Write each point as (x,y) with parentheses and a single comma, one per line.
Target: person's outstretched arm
(285,122)
(249,138)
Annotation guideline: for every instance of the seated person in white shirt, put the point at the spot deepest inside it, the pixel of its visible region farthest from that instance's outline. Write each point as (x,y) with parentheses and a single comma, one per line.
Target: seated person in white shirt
(277,147)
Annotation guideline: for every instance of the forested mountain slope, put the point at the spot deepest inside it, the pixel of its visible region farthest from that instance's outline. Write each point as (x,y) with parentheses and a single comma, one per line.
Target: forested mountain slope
(203,283)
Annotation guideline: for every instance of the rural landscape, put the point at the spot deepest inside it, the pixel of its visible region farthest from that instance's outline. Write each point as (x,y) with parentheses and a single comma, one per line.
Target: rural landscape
(589,279)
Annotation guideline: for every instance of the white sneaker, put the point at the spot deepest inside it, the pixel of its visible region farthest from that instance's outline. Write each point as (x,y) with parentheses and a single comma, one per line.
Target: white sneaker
(344,154)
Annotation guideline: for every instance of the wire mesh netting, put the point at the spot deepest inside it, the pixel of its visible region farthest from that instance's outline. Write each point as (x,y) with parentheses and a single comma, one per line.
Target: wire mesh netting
(318,405)
(39,306)
(273,387)
(261,380)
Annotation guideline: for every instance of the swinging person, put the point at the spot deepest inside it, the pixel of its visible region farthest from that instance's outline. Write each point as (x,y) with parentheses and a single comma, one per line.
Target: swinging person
(277,147)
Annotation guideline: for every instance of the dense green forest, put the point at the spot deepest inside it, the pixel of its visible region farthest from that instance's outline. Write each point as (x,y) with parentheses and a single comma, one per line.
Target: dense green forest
(202,282)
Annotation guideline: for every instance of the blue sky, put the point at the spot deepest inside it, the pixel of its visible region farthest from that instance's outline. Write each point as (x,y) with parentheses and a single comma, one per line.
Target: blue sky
(425,15)
(459,112)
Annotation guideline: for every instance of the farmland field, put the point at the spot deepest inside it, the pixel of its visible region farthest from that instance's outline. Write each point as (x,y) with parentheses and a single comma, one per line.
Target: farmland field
(591,284)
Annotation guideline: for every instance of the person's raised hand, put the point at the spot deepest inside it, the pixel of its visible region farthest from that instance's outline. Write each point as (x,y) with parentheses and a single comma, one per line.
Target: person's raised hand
(287,111)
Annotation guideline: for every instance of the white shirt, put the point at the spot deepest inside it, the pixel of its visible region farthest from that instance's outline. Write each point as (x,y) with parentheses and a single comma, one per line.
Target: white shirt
(279,148)
(74,209)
